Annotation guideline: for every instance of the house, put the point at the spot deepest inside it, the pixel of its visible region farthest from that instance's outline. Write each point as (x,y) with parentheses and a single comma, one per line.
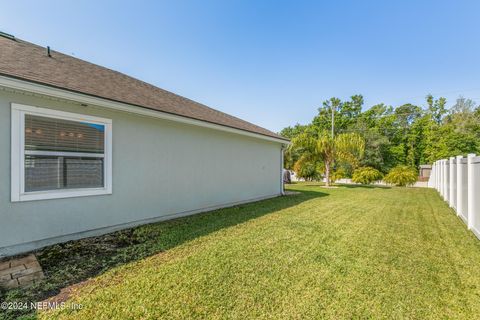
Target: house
(85,150)
(424,171)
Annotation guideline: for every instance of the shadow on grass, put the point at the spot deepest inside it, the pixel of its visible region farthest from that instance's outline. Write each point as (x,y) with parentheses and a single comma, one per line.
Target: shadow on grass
(75,261)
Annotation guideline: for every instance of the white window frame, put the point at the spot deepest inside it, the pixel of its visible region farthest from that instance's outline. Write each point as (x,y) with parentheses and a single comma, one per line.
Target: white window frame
(18,154)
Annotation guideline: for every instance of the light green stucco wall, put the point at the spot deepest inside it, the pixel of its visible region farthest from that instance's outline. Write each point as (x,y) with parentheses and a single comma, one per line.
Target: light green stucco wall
(160,168)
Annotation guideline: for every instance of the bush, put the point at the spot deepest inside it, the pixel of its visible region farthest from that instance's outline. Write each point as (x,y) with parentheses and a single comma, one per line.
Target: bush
(306,169)
(401,176)
(337,175)
(366,175)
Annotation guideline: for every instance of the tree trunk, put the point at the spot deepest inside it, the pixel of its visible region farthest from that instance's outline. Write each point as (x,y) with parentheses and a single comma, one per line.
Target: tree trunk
(327,173)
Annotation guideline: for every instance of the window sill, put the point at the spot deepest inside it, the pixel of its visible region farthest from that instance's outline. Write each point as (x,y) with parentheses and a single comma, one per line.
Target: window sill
(61,194)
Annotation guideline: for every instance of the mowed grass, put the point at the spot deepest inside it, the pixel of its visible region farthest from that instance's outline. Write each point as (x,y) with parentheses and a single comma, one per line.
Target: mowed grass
(351,252)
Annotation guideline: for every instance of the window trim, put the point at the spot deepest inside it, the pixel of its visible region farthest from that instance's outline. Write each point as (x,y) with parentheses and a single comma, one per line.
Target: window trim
(18,154)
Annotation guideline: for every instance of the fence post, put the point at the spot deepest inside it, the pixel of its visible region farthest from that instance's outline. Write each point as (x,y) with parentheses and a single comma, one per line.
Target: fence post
(446,180)
(460,191)
(471,189)
(438,175)
(431,179)
(452,195)
(441,177)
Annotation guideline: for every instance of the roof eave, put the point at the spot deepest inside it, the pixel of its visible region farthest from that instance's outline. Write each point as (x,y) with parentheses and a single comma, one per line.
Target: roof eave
(61,93)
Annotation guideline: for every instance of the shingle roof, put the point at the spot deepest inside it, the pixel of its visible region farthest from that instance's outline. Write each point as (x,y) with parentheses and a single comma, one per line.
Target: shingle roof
(27,61)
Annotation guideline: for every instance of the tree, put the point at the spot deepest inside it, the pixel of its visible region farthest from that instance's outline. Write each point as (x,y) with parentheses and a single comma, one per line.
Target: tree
(376,150)
(291,155)
(347,147)
(346,114)
(436,108)
(458,133)
(417,140)
(402,135)
(377,126)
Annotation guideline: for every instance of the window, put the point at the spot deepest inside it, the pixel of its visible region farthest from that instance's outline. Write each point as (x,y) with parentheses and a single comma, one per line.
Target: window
(58,154)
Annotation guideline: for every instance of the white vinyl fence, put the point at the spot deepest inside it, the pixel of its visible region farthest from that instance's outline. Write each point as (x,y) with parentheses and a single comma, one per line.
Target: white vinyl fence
(458,181)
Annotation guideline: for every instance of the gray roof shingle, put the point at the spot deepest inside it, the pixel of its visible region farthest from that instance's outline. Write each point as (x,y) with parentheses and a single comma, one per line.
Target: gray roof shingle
(27,61)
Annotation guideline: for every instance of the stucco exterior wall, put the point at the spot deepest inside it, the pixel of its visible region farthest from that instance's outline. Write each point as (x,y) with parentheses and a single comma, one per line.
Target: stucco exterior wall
(161,169)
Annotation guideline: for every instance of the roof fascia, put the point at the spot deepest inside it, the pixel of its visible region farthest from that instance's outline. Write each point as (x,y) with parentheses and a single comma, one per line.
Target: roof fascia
(28,86)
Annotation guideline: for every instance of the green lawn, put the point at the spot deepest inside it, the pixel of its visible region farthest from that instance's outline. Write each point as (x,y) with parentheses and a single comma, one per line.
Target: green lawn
(351,252)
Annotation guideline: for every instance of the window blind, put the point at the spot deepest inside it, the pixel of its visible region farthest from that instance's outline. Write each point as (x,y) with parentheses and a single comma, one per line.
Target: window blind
(50,134)
(63,154)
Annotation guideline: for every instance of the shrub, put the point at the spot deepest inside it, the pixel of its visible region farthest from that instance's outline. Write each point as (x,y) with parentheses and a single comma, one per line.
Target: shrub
(366,175)
(401,176)
(306,169)
(337,174)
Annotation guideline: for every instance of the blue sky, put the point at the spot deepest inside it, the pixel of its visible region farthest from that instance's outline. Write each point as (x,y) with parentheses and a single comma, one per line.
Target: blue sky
(269,62)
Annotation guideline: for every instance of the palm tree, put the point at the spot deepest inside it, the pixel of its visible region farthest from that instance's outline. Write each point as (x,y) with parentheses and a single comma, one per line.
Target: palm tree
(347,147)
